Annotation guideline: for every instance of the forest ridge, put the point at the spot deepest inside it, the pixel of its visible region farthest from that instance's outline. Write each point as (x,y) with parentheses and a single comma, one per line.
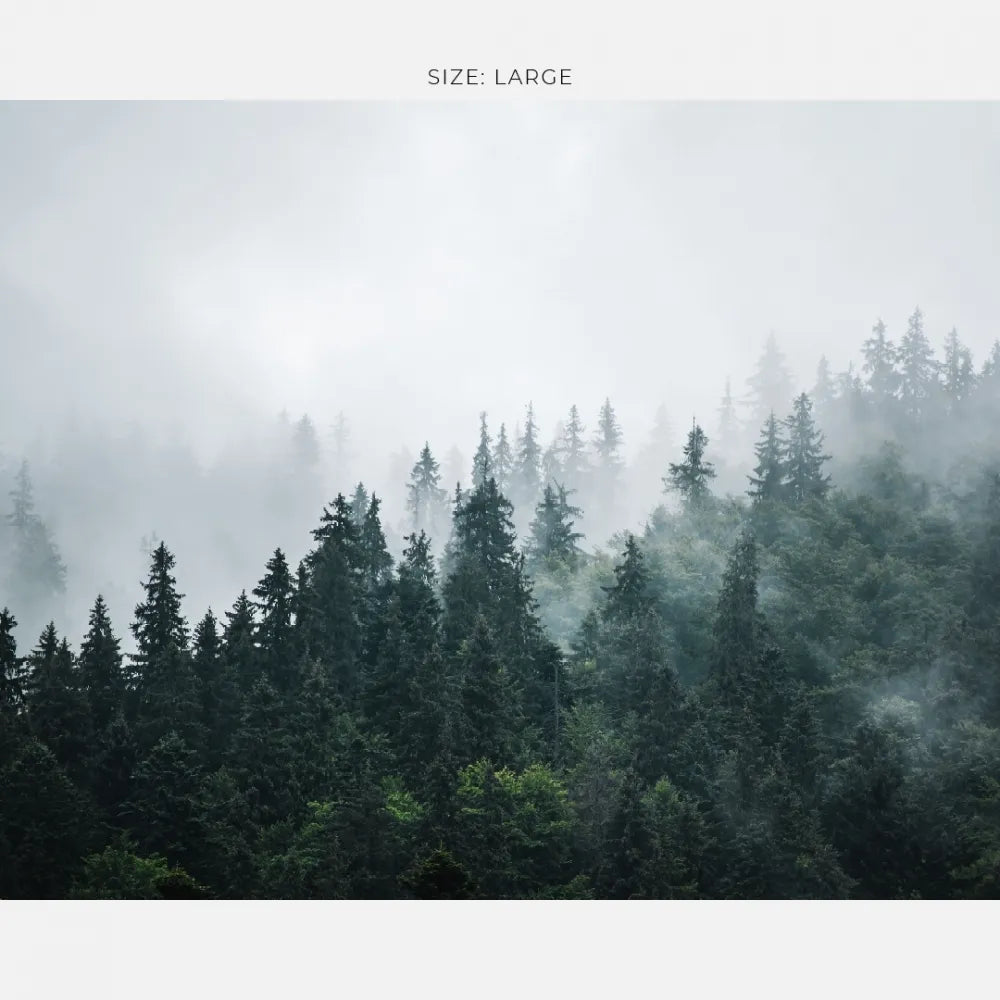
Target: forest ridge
(784,686)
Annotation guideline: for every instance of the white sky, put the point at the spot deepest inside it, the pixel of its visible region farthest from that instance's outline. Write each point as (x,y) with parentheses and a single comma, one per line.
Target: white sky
(412,264)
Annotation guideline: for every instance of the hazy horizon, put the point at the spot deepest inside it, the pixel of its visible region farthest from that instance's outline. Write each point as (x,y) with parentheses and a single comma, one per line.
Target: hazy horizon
(207,263)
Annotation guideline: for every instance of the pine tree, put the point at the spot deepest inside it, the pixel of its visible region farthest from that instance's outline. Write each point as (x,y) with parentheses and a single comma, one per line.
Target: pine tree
(37,573)
(100,667)
(275,600)
(57,704)
(629,596)
(728,422)
(482,461)
(552,468)
(502,462)
(218,693)
(958,371)
(770,385)
(359,505)
(880,366)
(552,539)
(331,603)
(608,472)
(528,464)
(426,499)
(737,631)
(691,477)
(163,680)
(575,465)
(918,368)
(824,390)
(768,481)
(305,444)
(11,679)
(489,706)
(804,454)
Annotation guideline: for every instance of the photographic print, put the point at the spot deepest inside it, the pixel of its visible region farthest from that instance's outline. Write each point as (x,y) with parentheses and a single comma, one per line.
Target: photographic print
(504,501)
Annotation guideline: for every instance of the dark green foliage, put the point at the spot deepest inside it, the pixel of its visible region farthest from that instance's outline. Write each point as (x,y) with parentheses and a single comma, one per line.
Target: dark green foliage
(804,456)
(425,498)
(691,477)
(527,472)
(792,696)
(553,540)
(767,484)
(482,461)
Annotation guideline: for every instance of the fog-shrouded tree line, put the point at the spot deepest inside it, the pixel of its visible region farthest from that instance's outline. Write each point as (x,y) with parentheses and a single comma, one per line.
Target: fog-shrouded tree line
(760,661)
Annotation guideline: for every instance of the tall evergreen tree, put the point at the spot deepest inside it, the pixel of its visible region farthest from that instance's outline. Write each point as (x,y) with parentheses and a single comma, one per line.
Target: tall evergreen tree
(770,385)
(528,463)
(880,356)
(163,680)
(553,540)
(57,703)
(804,453)
(737,636)
(691,477)
(100,666)
(359,504)
(959,374)
(768,480)
(824,390)
(36,570)
(425,497)
(629,596)
(275,601)
(573,452)
(502,462)
(482,461)
(918,369)
(11,680)
(728,422)
(608,465)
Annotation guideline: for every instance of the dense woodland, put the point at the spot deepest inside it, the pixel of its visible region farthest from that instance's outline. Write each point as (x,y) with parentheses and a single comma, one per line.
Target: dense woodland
(785,684)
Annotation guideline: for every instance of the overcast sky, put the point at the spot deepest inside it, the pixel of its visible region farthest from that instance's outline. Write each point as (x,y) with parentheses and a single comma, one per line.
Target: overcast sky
(412,264)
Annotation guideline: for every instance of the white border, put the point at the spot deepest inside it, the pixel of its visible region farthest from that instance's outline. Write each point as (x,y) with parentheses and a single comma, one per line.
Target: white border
(673,49)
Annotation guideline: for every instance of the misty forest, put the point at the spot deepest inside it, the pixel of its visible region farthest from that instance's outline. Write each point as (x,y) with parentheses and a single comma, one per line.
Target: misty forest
(780,682)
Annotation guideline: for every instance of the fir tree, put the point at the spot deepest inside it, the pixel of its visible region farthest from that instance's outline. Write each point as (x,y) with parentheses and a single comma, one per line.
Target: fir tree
(728,422)
(768,480)
(275,600)
(573,452)
(37,573)
(880,366)
(737,631)
(917,368)
(359,505)
(528,463)
(100,666)
(57,703)
(629,595)
(425,497)
(11,680)
(164,683)
(824,390)
(770,385)
(552,539)
(482,461)
(552,467)
(804,454)
(502,462)
(608,472)
(691,477)
(959,375)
